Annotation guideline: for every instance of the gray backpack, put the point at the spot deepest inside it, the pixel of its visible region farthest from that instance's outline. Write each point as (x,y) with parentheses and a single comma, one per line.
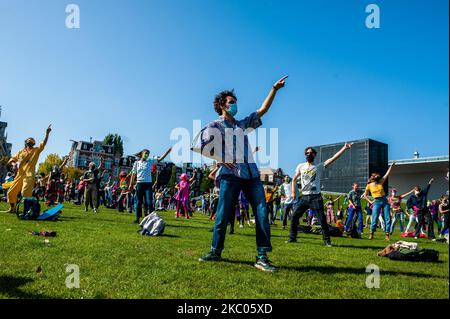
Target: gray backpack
(152,225)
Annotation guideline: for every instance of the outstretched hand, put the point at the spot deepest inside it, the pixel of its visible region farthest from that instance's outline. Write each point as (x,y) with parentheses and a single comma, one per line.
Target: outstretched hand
(49,129)
(348,146)
(280,83)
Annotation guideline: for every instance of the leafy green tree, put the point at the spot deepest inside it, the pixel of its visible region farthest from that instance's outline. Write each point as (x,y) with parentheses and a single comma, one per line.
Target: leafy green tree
(46,166)
(115,140)
(206,184)
(173,179)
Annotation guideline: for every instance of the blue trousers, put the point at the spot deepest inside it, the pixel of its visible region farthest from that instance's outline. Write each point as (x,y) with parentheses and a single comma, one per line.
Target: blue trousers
(348,223)
(230,187)
(381,205)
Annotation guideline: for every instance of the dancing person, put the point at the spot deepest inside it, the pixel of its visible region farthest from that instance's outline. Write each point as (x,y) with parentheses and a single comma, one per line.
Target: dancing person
(443,210)
(182,196)
(125,194)
(238,171)
(269,195)
(418,202)
(244,210)
(287,201)
(25,161)
(310,175)
(354,207)
(90,177)
(380,202)
(395,200)
(434,211)
(331,217)
(141,175)
(368,210)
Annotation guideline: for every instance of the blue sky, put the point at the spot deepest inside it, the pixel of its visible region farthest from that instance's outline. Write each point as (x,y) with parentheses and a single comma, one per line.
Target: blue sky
(142,68)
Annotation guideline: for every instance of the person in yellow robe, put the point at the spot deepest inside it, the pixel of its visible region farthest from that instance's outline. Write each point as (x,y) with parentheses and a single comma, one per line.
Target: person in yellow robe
(25,161)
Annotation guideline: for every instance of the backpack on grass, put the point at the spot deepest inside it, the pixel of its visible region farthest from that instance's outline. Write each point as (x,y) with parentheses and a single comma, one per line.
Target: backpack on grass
(152,225)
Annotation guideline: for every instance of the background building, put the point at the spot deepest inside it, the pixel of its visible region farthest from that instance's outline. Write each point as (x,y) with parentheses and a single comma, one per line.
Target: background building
(365,157)
(270,176)
(81,153)
(418,171)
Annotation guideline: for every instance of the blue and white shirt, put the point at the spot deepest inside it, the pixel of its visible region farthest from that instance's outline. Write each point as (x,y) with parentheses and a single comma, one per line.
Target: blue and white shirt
(227,142)
(143,170)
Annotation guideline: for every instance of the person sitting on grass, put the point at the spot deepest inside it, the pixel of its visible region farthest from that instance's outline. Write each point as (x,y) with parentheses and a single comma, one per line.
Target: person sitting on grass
(238,171)
(380,202)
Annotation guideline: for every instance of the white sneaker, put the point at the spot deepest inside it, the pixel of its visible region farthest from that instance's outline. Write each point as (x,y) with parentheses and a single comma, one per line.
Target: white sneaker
(241,226)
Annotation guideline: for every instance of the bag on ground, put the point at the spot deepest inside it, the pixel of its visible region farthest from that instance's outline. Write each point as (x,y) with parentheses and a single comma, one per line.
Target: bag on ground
(152,225)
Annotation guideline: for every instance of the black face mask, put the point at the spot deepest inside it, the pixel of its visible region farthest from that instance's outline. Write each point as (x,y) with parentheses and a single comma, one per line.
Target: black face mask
(310,158)
(29,145)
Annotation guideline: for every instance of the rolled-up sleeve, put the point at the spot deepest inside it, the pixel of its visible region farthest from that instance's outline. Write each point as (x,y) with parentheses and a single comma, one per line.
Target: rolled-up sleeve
(202,142)
(251,121)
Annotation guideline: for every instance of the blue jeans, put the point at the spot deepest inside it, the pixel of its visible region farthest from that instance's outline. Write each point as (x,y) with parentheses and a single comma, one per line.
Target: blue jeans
(348,223)
(381,204)
(230,187)
(143,196)
(397,217)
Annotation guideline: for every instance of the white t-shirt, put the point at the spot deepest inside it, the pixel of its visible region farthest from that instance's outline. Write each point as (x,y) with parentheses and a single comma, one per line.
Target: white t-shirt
(287,189)
(143,170)
(310,177)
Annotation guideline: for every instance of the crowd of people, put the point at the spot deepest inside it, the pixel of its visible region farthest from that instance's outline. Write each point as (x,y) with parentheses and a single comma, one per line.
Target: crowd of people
(238,193)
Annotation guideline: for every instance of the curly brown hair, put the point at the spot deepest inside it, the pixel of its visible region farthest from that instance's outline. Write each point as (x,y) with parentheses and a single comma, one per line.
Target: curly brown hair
(221,99)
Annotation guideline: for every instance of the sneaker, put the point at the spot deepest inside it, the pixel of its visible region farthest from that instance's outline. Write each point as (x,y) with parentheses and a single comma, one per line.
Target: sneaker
(211,256)
(434,239)
(291,241)
(241,226)
(328,243)
(95,211)
(263,263)
(231,232)
(371,236)
(416,237)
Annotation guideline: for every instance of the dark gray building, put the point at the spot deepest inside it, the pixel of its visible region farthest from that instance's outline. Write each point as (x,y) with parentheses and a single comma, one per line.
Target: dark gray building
(365,157)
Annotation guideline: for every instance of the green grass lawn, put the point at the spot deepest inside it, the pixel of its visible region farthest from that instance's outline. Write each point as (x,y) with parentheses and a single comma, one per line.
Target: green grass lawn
(116,262)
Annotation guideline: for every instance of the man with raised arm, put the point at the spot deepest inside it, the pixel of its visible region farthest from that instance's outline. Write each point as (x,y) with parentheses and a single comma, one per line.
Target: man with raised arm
(225,140)
(26,161)
(310,174)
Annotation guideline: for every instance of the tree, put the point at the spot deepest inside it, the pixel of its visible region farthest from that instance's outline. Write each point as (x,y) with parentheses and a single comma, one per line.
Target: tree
(46,166)
(206,184)
(73,173)
(173,179)
(116,141)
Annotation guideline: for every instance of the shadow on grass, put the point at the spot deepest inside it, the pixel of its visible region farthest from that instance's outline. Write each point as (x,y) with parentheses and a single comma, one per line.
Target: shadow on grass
(331,270)
(10,286)
(188,226)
